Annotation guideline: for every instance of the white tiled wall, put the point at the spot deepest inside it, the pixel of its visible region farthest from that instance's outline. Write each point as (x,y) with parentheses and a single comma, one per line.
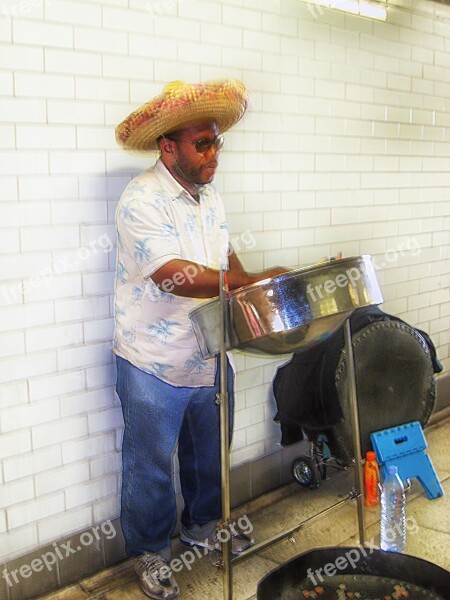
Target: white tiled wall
(345,147)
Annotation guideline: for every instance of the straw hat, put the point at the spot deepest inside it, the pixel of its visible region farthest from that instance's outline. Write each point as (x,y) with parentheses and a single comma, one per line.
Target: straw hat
(179,104)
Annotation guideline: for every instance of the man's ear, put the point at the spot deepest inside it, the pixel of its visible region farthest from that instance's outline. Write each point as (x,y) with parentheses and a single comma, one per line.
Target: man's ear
(164,145)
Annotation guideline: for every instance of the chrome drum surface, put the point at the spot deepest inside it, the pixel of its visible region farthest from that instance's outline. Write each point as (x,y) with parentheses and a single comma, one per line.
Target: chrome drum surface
(292,311)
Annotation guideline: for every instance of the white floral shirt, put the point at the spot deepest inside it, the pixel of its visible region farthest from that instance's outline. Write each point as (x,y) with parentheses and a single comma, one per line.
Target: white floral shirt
(157,221)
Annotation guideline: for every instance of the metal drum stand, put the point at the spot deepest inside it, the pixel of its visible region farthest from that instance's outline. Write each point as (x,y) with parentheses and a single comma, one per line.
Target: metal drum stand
(357,491)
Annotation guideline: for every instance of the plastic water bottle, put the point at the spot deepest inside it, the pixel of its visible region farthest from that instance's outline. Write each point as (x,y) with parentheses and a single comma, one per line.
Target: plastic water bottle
(393,527)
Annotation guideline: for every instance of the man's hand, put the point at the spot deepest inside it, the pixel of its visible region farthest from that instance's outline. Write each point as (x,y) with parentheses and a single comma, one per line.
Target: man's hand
(274,271)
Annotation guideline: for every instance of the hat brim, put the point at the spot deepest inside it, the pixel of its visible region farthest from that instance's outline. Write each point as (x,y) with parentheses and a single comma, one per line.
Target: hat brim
(223,102)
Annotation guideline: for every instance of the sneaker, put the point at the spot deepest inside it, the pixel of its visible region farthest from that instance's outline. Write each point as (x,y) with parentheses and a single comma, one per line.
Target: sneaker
(239,542)
(155,577)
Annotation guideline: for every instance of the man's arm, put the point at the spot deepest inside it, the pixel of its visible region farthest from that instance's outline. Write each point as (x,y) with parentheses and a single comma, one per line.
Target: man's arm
(187,278)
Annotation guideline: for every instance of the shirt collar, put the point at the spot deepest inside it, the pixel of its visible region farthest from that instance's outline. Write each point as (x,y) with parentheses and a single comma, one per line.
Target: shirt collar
(173,187)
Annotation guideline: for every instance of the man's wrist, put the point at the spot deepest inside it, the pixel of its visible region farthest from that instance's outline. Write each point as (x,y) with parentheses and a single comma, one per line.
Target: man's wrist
(237,279)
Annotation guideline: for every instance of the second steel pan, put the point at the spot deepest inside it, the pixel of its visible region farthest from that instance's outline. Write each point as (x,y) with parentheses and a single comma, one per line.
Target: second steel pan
(292,311)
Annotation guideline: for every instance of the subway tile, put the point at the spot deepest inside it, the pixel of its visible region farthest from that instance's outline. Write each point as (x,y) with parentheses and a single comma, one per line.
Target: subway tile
(85,308)
(124,19)
(42,34)
(29,414)
(78,495)
(69,61)
(247,454)
(98,331)
(84,355)
(45,137)
(36,364)
(10,241)
(106,512)
(16,543)
(59,478)
(95,138)
(127,67)
(16,492)
(76,162)
(244,58)
(67,11)
(21,58)
(38,188)
(101,89)
(5,30)
(11,441)
(25,464)
(232,15)
(279,24)
(36,239)
(12,344)
(15,163)
(106,465)
(78,113)
(56,384)
(94,400)
(30,512)
(58,431)
(147,46)
(105,420)
(92,446)
(261,41)
(99,40)
(82,259)
(62,525)
(99,376)
(7,136)
(50,287)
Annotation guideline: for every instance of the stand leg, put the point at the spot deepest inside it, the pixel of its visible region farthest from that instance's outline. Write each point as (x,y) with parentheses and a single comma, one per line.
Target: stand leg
(224,443)
(353,402)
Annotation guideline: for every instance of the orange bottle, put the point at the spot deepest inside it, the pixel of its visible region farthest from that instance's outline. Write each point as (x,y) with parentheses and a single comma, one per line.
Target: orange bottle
(371,480)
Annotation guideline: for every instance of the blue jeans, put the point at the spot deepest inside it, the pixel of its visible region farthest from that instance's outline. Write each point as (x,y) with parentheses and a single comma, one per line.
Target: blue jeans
(157,416)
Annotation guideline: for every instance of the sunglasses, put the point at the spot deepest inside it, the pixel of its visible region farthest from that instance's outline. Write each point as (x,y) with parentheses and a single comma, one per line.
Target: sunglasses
(203,145)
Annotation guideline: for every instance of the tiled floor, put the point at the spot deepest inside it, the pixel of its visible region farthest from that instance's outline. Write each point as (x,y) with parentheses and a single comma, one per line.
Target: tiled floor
(283,509)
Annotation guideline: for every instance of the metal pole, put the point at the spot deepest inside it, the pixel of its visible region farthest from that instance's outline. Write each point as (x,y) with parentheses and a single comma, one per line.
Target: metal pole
(354,416)
(288,533)
(225,441)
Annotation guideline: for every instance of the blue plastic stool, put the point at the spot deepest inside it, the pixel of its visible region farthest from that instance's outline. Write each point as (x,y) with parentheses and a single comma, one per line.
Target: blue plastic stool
(404,447)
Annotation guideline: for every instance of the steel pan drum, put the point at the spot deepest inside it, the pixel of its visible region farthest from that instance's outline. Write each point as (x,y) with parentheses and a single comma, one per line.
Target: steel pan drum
(373,574)
(289,312)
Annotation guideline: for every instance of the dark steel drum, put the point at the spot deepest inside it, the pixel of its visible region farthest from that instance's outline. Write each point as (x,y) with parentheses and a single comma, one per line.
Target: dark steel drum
(292,311)
(358,573)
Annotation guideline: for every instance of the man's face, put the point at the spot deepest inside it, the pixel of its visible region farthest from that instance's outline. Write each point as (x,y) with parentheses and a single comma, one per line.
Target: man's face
(192,161)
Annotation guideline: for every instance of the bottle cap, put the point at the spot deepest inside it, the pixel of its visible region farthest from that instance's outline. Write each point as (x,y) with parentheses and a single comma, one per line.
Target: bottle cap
(392,469)
(370,455)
